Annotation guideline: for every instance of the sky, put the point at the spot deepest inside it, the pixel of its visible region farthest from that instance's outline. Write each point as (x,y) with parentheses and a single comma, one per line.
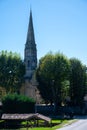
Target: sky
(59,26)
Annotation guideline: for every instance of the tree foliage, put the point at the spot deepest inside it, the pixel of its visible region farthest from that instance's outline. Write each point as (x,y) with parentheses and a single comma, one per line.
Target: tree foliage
(53,70)
(60,77)
(12,71)
(77,81)
(45,77)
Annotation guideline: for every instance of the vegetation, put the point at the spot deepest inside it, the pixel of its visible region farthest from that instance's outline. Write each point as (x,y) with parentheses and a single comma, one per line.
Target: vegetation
(13,103)
(56,124)
(12,71)
(52,72)
(60,77)
(77,82)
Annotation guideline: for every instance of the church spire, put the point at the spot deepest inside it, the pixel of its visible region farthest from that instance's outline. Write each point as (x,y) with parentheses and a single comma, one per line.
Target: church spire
(30,33)
(30,53)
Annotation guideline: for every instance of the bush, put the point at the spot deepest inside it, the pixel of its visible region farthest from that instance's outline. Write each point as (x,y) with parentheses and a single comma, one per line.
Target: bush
(14,103)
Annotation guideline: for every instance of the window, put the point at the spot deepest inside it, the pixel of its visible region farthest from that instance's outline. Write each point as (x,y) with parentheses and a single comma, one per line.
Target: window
(28,63)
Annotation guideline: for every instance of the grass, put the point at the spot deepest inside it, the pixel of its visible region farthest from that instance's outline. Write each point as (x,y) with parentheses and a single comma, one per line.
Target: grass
(58,122)
(1,121)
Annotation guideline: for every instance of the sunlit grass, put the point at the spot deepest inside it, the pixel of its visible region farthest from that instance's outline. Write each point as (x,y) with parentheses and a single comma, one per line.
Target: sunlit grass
(55,125)
(59,124)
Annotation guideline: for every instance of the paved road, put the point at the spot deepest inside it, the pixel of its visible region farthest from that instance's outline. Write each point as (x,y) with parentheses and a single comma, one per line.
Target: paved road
(79,125)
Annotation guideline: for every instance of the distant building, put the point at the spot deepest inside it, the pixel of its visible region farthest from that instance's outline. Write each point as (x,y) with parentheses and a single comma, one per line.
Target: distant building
(29,88)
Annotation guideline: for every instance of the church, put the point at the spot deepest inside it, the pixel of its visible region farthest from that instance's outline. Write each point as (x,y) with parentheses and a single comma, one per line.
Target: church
(29,88)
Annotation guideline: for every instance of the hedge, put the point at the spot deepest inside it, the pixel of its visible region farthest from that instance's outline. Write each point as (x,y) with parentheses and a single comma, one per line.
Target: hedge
(14,103)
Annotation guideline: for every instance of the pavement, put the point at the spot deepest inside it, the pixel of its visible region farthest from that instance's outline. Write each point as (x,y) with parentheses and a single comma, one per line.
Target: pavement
(79,123)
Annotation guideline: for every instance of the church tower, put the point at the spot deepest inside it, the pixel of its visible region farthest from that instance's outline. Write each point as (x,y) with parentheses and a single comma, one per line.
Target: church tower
(30,53)
(29,88)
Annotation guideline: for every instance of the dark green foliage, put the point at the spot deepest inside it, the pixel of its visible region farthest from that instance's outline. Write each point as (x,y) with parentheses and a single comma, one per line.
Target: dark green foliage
(77,81)
(12,71)
(14,103)
(61,79)
(52,72)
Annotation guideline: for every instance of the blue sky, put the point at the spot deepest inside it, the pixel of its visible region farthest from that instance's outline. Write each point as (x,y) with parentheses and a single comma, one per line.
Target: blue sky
(59,25)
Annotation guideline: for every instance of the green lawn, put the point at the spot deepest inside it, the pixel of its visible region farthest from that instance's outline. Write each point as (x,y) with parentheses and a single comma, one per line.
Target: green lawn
(60,124)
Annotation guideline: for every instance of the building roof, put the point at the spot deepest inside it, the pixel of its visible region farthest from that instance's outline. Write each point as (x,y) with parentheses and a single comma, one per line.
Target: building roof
(36,116)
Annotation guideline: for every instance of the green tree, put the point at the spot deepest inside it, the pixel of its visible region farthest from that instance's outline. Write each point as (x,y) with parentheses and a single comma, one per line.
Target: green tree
(12,71)
(53,70)
(77,81)
(45,77)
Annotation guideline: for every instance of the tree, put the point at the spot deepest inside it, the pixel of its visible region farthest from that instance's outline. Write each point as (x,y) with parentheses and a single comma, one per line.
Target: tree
(45,77)
(12,71)
(61,75)
(52,71)
(77,81)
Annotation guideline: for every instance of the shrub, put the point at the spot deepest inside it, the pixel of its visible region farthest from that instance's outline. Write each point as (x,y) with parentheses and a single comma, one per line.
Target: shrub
(14,103)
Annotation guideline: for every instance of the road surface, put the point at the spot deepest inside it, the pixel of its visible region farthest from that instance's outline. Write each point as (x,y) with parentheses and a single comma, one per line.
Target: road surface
(78,125)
